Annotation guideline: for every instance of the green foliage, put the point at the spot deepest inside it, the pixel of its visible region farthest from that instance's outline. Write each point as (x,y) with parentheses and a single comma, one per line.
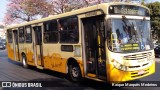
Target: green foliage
(142,2)
(155,18)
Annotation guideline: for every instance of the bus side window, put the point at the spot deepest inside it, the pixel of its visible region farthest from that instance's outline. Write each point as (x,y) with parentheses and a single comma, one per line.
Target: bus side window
(63,29)
(50,32)
(68,28)
(28,34)
(21,35)
(9,35)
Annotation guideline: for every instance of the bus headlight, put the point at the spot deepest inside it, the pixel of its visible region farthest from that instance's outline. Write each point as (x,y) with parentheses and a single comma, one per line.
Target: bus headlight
(119,66)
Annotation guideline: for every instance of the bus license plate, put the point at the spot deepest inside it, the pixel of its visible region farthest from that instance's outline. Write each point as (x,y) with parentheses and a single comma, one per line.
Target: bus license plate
(141,72)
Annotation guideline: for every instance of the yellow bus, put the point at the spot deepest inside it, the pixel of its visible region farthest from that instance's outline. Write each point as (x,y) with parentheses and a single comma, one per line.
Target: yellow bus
(105,42)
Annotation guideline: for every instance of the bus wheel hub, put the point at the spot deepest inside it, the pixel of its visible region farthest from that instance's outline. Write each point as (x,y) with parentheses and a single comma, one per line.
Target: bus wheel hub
(75,72)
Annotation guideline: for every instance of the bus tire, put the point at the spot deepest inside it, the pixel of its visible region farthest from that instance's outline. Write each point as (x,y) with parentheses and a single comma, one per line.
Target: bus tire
(24,61)
(74,72)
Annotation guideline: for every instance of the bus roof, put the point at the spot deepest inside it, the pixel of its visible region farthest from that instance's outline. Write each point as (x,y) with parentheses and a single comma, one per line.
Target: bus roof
(102,7)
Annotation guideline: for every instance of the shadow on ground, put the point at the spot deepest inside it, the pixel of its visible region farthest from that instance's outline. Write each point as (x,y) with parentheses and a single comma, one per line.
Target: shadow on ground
(62,83)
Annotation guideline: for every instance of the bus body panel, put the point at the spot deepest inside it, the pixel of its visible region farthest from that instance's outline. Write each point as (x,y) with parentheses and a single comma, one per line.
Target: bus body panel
(21,50)
(115,75)
(55,59)
(28,51)
(52,57)
(10,51)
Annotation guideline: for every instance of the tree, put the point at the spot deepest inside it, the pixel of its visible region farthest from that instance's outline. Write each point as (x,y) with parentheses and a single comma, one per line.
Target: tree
(142,2)
(155,18)
(61,6)
(26,10)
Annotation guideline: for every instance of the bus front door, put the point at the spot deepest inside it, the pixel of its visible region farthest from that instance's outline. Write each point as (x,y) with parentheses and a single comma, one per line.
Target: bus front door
(15,45)
(38,46)
(94,47)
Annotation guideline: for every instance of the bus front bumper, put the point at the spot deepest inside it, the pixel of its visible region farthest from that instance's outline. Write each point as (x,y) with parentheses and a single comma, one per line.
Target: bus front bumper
(118,76)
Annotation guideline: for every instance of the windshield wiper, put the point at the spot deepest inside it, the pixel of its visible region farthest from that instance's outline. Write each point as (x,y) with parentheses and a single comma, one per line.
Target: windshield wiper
(131,29)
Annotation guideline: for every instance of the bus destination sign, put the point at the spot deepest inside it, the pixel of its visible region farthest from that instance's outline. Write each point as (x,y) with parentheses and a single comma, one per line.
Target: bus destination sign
(128,10)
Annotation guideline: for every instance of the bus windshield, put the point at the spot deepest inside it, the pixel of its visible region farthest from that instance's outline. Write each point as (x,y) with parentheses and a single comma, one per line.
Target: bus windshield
(130,35)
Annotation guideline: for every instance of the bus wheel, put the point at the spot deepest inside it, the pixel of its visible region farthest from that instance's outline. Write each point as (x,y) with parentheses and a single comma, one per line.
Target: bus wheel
(74,73)
(24,61)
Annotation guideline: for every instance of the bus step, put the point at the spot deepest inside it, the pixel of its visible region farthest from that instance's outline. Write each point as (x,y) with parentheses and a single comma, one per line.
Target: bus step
(39,67)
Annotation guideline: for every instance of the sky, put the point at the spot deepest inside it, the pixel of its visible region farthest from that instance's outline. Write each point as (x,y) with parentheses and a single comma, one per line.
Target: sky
(152,1)
(3,4)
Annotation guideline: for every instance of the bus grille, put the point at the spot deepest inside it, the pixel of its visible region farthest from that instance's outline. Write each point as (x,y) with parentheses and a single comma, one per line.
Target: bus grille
(138,66)
(135,74)
(138,56)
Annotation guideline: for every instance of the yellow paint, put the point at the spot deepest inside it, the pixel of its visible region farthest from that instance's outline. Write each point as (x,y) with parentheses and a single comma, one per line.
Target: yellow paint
(47,62)
(99,49)
(91,75)
(17,55)
(10,52)
(29,54)
(115,75)
(81,67)
(55,62)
